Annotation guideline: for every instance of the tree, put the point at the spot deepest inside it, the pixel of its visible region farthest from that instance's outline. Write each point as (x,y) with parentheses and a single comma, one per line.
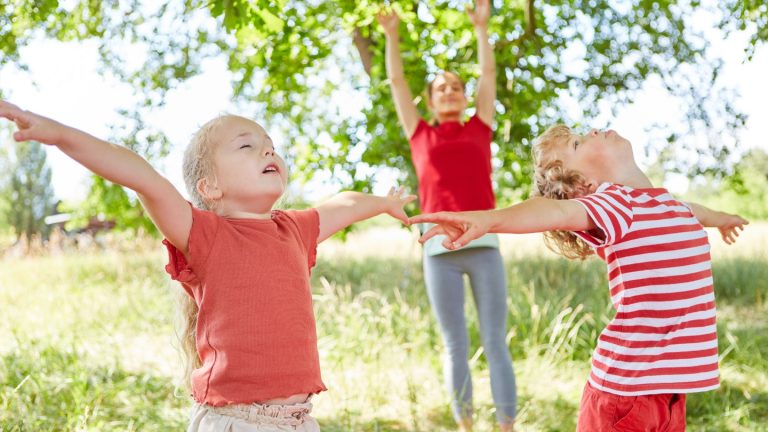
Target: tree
(29,191)
(300,65)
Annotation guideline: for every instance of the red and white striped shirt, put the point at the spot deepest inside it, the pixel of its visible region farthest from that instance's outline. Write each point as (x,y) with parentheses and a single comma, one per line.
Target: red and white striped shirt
(663,338)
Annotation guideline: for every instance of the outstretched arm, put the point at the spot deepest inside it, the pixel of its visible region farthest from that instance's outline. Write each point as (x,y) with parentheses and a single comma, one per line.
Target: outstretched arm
(486,85)
(406,109)
(729,225)
(348,207)
(530,216)
(165,205)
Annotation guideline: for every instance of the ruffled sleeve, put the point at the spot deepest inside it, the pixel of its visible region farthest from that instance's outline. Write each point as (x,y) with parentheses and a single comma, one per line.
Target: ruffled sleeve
(201,238)
(308,224)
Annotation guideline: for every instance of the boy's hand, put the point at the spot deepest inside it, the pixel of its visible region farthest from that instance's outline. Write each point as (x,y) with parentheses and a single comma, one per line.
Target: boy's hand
(479,17)
(396,200)
(459,228)
(729,227)
(32,127)
(388,20)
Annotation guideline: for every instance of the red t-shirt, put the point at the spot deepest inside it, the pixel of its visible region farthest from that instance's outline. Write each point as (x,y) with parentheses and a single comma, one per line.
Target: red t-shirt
(453,164)
(255,330)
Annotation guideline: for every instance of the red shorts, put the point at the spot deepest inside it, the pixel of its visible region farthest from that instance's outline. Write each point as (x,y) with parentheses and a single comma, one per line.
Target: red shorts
(606,412)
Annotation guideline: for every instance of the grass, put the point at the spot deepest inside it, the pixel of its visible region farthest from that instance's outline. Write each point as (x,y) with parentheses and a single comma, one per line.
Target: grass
(87,339)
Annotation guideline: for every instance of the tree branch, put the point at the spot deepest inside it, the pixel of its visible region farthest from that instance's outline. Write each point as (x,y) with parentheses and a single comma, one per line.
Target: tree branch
(530,18)
(363,45)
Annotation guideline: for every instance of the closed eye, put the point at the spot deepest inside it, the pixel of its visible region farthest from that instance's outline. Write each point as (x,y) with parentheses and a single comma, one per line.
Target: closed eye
(575,144)
(245,145)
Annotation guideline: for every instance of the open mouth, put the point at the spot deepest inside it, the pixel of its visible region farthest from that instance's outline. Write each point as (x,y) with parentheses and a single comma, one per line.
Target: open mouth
(271,168)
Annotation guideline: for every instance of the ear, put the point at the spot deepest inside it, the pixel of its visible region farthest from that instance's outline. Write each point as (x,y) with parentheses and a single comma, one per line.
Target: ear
(208,189)
(590,186)
(583,188)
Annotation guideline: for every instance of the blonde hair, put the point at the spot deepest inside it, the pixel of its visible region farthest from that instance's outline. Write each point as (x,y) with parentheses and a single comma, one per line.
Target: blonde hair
(197,165)
(552,180)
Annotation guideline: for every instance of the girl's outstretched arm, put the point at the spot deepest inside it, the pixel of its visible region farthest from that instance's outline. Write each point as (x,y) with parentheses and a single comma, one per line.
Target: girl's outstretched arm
(168,209)
(530,216)
(728,224)
(486,85)
(406,109)
(348,207)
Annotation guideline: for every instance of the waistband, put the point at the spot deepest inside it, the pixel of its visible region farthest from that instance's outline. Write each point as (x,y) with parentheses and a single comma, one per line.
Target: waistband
(290,415)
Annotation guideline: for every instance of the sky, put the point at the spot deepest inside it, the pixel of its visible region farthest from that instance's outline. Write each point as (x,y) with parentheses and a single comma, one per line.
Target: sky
(63,83)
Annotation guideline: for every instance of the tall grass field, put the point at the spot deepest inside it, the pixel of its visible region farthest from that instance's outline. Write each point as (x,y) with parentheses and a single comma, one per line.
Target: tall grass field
(87,339)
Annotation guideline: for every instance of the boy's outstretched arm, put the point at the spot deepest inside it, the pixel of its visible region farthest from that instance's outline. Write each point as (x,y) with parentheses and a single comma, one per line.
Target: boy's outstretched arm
(347,208)
(530,216)
(728,224)
(168,209)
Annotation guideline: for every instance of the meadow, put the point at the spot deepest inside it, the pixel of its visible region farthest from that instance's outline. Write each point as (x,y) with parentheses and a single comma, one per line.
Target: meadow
(87,339)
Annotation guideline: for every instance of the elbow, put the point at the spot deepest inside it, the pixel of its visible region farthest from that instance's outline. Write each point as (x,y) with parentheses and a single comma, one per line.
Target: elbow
(397,81)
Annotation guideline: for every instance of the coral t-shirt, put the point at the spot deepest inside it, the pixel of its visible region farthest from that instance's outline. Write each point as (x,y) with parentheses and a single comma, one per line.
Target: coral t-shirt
(255,332)
(453,165)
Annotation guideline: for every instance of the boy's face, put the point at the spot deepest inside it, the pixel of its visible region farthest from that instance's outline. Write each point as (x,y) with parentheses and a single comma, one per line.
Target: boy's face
(249,173)
(601,156)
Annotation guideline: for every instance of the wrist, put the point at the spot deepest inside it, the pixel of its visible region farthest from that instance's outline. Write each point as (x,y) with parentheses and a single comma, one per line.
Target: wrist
(66,136)
(493,220)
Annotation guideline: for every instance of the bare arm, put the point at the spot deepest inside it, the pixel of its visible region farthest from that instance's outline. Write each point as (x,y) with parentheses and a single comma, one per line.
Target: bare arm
(406,109)
(165,205)
(486,85)
(347,208)
(729,225)
(530,216)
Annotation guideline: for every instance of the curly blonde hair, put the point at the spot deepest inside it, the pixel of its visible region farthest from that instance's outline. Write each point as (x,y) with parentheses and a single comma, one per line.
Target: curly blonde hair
(552,180)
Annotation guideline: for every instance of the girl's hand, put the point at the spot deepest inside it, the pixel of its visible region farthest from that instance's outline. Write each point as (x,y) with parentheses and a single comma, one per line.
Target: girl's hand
(389,21)
(479,17)
(729,227)
(459,227)
(32,127)
(396,200)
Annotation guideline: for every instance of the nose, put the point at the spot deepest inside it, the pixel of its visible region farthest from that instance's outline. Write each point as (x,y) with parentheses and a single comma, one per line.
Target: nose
(269,151)
(594,132)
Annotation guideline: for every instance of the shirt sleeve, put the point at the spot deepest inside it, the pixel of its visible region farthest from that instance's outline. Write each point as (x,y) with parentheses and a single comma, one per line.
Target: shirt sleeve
(420,127)
(611,211)
(481,124)
(308,224)
(205,224)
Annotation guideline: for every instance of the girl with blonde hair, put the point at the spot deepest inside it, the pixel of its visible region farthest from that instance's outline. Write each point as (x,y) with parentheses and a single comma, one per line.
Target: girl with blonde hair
(250,334)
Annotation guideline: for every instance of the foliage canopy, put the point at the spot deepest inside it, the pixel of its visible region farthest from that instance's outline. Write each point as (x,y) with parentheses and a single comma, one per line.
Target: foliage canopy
(315,69)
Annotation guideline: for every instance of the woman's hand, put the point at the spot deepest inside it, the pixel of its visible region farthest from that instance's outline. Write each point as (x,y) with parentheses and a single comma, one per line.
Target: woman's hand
(389,21)
(479,17)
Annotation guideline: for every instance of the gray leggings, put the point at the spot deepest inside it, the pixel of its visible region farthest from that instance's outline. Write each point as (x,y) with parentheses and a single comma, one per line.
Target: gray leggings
(443,275)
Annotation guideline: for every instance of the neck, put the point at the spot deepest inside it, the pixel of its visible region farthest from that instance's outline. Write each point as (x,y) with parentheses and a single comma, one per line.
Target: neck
(448,117)
(634,178)
(253,211)
(248,215)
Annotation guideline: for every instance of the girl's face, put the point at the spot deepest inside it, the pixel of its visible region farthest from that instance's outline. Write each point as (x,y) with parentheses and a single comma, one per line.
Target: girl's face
(600,156)
(447,97)
(249,175)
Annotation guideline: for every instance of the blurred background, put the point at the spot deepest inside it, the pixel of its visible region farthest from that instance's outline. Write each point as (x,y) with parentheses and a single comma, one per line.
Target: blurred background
(86,311)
